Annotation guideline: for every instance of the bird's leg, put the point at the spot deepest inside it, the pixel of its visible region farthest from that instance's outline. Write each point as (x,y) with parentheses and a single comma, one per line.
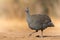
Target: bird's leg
(33,32)
(41,33)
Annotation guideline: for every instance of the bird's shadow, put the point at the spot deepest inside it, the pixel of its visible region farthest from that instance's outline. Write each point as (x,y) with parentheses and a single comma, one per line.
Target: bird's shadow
(48,36)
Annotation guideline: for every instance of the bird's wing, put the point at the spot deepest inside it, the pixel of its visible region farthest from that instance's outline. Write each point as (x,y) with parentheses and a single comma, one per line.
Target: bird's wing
(40,18)
(36,19)
(47,19)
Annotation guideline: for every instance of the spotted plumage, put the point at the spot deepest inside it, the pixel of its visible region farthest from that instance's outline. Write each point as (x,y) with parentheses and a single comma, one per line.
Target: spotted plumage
(38,21)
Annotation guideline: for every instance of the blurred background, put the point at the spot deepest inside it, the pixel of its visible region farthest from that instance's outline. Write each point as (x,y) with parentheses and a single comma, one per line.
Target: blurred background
(16,8)
(13,17)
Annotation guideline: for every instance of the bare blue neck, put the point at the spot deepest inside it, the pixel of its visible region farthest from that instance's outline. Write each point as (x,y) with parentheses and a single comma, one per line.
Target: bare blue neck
(28,15)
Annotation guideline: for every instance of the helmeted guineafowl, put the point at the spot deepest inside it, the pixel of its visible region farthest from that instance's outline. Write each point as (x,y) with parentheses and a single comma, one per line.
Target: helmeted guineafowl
(38,21)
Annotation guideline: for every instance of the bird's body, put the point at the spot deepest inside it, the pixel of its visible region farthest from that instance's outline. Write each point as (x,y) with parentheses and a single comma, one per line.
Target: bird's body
(38,21)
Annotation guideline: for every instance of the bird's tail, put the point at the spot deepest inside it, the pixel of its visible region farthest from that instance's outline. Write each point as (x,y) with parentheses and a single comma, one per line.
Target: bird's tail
(50,24)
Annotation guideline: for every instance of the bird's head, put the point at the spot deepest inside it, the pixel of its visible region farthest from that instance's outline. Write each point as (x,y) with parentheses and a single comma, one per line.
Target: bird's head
(27,10)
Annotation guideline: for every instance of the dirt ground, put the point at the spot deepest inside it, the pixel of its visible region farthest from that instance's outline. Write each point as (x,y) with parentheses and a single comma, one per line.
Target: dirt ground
(19,30)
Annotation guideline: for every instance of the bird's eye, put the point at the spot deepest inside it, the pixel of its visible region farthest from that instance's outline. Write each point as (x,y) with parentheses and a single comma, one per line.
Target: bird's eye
(27,10)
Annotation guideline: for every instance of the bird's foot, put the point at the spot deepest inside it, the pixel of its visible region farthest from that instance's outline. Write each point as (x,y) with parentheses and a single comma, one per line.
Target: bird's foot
(37,36)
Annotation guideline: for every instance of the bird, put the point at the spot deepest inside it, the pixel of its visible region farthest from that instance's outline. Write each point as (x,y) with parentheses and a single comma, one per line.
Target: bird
(38,21)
